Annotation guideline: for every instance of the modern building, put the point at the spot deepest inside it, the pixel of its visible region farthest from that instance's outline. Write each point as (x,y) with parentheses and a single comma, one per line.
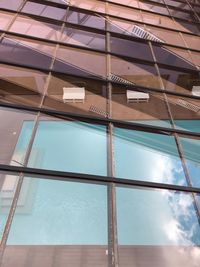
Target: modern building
(99,133)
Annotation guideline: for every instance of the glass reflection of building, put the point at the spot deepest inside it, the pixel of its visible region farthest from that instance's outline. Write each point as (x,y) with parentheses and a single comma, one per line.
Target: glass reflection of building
(100,133)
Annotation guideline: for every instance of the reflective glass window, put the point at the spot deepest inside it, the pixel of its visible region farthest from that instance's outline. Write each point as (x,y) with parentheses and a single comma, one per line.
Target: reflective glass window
(7,191)
(180,81)
(27,26)
(129,72)
(174,57)
(5,19)
(192,41)
(83,38)
(131,48)
(21,86)
(85,19)
(94,102)
(124,12)
(146,156)
(157,227)
(44,10)
(29,53)
(68,146)
(153,7)
(80,62)
(13,145)
(58,222)
(190,148)
(12,4)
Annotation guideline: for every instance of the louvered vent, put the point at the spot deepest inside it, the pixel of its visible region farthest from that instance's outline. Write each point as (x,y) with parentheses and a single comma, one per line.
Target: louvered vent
(118,79)
(188,105)
(139,32)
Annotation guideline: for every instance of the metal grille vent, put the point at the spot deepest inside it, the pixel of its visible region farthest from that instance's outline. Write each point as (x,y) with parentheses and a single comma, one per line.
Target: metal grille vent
(118,79)
(188,105)
(139,32)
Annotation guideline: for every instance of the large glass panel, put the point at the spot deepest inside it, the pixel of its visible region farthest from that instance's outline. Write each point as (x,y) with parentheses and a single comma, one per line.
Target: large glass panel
(192,41)
(187,26)
(196,58)
(80,62)
(147,156)
(132,3)
(157,227)
(139,106)
(60,95)
(58,223)
(180,81)
(186,112)
(124,12)
(8,184)
(44,10)
(160,9)
(83,38)
(129,72)
(13,144)
(12,4)
(84,19)
(131,48)
(25,52)
(27,26)
(123,26)
(156,19)
(174,57)
(5,19)
(66,146)
(188,16)
(191,148)
(169,37)
(177,4)
(89,5)
(21,86)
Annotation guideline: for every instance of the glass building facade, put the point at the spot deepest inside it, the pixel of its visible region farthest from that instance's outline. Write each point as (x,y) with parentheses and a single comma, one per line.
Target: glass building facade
(99,133)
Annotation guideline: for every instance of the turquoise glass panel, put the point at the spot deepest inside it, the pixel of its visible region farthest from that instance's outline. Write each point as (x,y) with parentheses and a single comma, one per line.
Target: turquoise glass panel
(67,146)
(60,213)
(145,156)
(191,152)
(188,125)
(158,218)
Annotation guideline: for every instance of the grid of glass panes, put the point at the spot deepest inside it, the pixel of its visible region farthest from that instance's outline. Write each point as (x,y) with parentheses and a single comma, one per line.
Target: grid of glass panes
(137,63)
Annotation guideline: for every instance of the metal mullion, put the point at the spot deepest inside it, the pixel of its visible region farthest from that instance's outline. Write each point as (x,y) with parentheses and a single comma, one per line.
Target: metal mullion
(112,228)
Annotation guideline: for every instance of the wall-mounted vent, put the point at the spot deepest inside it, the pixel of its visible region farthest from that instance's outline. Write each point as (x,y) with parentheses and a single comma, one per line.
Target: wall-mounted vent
(188,105)
(115,78)
(139,32)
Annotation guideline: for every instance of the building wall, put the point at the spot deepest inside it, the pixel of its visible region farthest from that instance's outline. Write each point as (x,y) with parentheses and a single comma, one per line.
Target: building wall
(112,179)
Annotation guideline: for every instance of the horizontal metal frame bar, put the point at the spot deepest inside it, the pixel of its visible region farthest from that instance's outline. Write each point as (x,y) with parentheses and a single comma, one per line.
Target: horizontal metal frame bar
(66,176)
(103,121)
(131,87)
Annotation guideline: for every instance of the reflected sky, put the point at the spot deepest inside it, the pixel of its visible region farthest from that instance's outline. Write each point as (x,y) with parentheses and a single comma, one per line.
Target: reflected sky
(147,217)
(146,156)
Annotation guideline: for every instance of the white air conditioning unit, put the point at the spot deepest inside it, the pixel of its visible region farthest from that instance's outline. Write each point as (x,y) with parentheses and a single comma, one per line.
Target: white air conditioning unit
(196,90)
(73,94)
(135,96)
